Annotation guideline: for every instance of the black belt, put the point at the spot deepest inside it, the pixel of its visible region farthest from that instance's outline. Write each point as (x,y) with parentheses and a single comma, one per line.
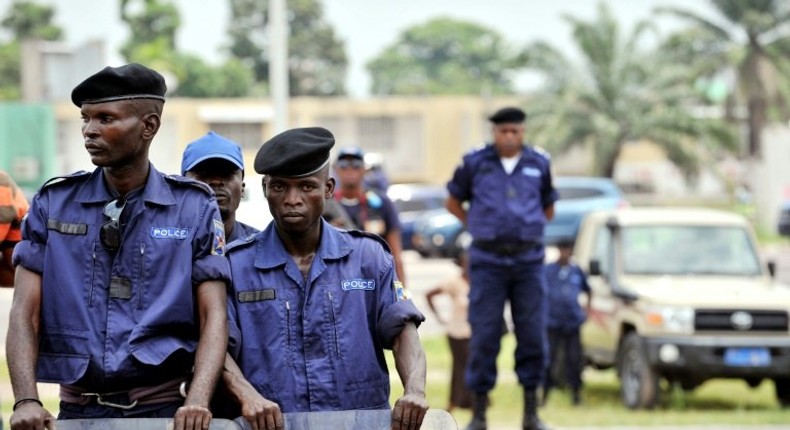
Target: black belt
(505,248)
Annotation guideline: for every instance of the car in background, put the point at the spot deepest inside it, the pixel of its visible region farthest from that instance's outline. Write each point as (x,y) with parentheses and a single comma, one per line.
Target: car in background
(411,200)
(784,219)
(438,233)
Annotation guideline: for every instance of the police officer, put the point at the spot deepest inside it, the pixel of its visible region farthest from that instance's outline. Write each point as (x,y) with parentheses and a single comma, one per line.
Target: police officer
(370,209)
(565,280)
(120,286)
(313,307)
(509,189)
(217,161)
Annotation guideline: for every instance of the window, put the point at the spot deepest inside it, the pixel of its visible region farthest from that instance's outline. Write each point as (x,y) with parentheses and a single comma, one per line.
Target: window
(377,132)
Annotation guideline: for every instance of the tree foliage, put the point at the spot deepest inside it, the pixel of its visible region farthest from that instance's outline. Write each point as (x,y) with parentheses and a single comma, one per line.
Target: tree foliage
(750,40)
(620,94)
(316,56)
(153,29)
(24,20)
(445,56)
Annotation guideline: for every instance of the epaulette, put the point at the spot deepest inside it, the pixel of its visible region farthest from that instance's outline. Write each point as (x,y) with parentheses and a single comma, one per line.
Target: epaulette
(240,243)
(477,148)
(67,179)
(182,180)
(540,151)
(379,239)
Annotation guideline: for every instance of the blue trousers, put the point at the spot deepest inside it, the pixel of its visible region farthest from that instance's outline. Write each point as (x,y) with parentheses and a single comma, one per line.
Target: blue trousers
(524,286)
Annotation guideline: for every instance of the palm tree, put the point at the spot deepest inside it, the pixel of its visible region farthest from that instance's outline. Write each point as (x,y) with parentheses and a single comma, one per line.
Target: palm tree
(620,95)
(752,40)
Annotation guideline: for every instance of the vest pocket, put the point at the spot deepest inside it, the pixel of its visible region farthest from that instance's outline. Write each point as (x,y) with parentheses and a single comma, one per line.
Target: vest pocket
(61,368)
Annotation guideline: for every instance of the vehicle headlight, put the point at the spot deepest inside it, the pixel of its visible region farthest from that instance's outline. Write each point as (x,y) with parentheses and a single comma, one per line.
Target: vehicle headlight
(675,319)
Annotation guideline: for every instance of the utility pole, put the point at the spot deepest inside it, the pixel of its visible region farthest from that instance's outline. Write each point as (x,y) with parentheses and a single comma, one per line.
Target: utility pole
(278,63)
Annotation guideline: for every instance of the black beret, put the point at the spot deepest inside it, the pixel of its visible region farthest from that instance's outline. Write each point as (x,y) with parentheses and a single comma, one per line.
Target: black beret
(130,81)
(295,153)
(508,115)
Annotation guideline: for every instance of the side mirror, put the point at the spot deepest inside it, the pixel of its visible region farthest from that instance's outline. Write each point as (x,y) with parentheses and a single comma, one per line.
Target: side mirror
(772,268)
(595,268)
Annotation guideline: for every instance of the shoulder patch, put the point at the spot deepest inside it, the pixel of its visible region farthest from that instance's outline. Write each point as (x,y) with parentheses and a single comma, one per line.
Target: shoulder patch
(540,151)
(379,239)
(184,181)
(66,179)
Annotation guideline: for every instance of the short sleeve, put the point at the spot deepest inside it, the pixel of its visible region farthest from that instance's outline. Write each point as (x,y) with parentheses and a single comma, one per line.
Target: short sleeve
(397,309)
(209,261)
(548,193)
(29,253)
(460,185)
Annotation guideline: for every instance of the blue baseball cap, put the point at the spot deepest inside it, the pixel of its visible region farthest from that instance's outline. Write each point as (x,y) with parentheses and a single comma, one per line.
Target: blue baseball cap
(212,145)
(351,152)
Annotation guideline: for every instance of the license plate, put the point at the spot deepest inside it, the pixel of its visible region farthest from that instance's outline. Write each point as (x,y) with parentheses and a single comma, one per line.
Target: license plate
(747,357)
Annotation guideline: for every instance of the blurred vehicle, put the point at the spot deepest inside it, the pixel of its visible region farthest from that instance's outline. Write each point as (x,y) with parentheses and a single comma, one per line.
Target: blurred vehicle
(579,196)
(440,234)
(411,201)
(682,295)
(784,219)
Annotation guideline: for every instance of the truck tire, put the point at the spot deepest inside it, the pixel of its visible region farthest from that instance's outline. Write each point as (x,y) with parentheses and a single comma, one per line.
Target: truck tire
(638,380)
(782,386)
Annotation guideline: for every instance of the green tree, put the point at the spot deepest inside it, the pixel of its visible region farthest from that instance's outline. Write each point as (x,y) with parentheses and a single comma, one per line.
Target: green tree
(153,42)
(445,56)
(620,94)
(24,20)
(750,39)
(316,56)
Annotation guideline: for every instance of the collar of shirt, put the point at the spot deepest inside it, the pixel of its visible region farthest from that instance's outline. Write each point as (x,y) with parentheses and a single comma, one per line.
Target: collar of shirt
(156,190)
(271,253)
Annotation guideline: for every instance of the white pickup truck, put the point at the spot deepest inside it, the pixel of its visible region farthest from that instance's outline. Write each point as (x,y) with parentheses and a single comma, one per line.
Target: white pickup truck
(681,294)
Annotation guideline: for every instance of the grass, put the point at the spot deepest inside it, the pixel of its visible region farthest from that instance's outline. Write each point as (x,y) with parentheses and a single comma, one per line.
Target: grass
(729,402)
(719,401)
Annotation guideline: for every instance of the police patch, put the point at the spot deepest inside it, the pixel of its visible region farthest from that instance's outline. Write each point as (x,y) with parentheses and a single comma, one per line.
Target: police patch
(401,292)
(169,233)
(530,171)
(358,284)
(219,238)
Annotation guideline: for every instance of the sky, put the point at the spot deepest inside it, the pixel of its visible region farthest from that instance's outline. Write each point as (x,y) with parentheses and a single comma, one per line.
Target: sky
(366,26)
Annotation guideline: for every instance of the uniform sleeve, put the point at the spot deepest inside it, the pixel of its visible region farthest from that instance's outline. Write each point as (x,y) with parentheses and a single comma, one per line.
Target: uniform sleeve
(29,253)
(548,193)
(209,261)
(460,185)
(585,286)
(390,214)
(396,308)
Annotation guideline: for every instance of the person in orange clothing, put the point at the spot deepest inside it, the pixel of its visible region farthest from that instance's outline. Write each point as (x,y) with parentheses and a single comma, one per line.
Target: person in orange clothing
(13,207)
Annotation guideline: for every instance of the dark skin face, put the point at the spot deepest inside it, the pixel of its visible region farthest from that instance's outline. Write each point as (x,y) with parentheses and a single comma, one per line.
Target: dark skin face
(225,179)
(351,172)
(296,204)
(508,138)
(117,137)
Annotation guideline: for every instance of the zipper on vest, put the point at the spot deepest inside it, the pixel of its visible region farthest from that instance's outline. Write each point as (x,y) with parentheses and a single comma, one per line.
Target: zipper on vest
(334,321)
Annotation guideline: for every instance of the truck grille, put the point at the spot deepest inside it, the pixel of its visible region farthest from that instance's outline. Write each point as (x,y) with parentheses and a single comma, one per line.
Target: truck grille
(740,320)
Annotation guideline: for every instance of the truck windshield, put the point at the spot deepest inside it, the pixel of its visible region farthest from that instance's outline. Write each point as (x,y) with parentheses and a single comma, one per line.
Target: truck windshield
(689,250)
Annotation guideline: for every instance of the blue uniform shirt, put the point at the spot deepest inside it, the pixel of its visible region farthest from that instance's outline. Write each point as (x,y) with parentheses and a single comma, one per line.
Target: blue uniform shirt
(116,320)
(505,207)
(317,344)
(240,231)
(565,283)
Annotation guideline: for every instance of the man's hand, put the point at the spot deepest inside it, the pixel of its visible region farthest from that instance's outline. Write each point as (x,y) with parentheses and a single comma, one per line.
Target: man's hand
(31,416)
(192,417)
(409,412)
(261,413)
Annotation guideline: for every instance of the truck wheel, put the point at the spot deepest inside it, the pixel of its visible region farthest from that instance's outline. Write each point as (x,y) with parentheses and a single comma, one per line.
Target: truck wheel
(782,386)
(638,380)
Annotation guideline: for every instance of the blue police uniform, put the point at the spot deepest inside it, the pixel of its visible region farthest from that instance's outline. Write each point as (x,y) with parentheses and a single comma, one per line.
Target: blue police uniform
(565,316)
(240,231)
(316,344)
(506,220)
(374,212)
(114,321)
